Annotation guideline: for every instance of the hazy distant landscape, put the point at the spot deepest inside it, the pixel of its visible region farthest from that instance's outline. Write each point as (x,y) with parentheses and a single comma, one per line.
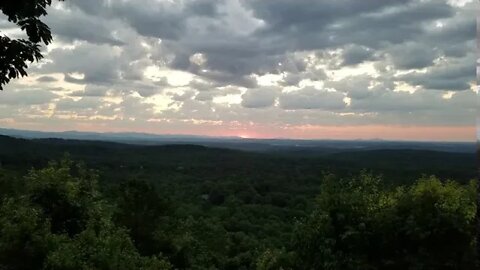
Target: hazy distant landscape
(199,204)
(250,144)
(239,135)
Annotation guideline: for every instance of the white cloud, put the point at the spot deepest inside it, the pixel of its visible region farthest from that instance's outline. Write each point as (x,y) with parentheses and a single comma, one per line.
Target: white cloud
(190,62)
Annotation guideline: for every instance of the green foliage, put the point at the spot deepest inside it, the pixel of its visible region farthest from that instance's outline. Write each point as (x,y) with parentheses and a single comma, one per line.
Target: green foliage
(65,193)
(14,53)
(275,260)
(434,223)
(360,225)
(59,221)
(100,246)
(185,168)
(253,212)
(139,209)
(24,236)
(9,184)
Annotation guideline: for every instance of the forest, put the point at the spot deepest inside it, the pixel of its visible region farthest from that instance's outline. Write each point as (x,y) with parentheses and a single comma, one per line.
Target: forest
(69,204)
(284,69)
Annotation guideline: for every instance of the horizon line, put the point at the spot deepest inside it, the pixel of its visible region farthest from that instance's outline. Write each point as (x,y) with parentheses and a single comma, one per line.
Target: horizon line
(239,137)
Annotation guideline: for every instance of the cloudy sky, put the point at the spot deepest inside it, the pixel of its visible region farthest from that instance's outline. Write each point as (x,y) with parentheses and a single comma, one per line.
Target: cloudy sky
(344,69)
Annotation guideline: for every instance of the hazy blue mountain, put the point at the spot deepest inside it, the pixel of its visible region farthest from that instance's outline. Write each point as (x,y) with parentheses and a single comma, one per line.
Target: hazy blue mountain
(301,147)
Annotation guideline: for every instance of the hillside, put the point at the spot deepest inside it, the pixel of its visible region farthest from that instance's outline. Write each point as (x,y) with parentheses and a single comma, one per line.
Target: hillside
(198,161)
(202,206)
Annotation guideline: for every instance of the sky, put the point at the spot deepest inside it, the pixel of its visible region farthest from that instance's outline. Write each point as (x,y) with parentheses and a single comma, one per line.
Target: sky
(306,69)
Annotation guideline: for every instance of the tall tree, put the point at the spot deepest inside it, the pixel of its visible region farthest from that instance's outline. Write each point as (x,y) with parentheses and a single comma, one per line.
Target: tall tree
(139,209)
(16,53)
(478,205)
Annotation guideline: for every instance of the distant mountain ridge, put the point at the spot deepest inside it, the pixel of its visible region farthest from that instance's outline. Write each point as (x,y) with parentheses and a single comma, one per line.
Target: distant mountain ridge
(301,147)
(230,159)
(73,134)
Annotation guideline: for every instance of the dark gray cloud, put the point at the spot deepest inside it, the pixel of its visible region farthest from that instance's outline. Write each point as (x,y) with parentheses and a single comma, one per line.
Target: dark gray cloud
(183,96)
(260,97)
(297,17)
(206,96)
(161,19)
(454,76)
(210,94)
(26,97)
(359,87)
(152,19)
(207,8)
(202,86)
(412,56)
(311,98)
(91,91)
(46,79)
(97,63)
(353,55)
(73,26)
(190,27)
(391,26)
(85,103)
(311,50)
(458,28)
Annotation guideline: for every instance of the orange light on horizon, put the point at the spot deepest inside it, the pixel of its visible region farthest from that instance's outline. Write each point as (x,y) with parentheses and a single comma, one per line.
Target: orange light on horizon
(243,136)
(310,132)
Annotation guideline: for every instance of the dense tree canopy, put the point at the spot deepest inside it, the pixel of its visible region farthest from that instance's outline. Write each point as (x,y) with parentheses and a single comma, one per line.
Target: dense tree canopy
(58,220)
(59,217)
(15,53)
(359,225)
